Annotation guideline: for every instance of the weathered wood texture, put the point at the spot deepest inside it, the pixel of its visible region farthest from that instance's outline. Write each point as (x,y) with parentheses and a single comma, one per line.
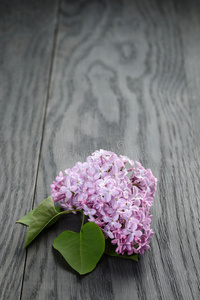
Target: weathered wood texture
(188,13)
(26,41)
(119,82)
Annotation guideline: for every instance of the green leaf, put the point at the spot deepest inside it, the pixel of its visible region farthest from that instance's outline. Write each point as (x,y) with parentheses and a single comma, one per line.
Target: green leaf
(55,219)
(26,219)
(81,250)
(110,250)
(42,216)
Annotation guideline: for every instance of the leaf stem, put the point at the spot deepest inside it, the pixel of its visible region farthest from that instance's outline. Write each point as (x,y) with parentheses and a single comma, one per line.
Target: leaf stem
(83,218)
(69,211)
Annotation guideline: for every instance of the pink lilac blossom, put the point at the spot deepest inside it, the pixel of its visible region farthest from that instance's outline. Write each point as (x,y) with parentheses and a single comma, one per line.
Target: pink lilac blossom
(116,198)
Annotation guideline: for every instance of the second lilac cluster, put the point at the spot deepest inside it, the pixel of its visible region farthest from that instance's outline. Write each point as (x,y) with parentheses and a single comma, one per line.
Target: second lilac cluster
(114,192)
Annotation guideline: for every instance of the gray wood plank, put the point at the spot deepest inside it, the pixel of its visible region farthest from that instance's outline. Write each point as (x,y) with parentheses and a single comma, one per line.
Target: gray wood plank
(26,39)
(119,83)
(188,14)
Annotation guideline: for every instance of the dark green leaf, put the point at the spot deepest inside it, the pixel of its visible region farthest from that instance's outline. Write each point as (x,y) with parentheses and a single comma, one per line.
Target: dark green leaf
(110,250)
(26,219)
(81,250)
(57,208)
(42,216)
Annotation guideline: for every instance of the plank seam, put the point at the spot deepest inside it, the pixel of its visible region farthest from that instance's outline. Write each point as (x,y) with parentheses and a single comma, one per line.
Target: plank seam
(55,36)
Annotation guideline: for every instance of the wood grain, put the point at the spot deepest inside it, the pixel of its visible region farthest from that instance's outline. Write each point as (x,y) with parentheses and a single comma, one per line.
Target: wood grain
(26,38)
(189,22)
(119,82)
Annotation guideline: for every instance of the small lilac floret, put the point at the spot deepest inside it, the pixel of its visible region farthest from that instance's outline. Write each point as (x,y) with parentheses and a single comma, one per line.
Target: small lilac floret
(116,198)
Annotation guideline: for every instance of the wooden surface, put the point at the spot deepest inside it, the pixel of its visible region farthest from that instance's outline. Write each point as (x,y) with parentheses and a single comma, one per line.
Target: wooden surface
(77,76)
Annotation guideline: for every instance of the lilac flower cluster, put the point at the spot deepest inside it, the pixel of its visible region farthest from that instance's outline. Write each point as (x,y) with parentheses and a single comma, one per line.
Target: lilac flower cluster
(115,196)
